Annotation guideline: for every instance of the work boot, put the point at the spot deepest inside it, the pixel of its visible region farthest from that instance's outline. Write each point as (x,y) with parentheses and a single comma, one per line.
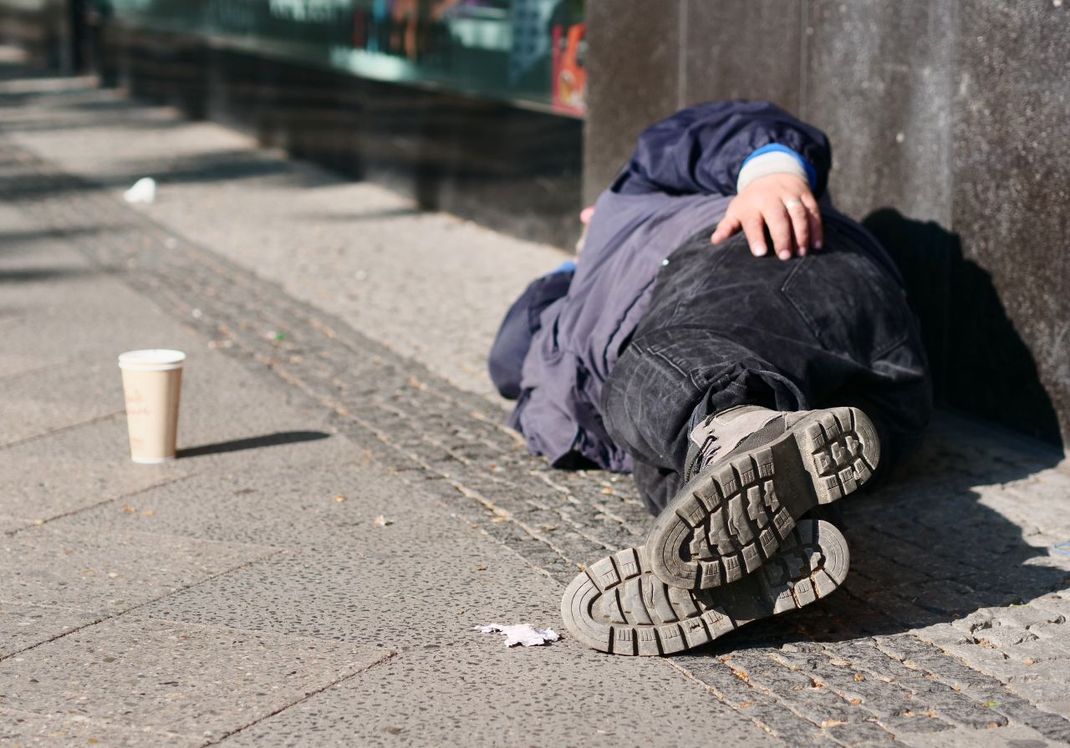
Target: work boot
(617,605)
(751,474)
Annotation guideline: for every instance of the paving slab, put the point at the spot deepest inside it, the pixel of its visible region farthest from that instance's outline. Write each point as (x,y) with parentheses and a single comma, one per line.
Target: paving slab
(11,524)
(61,730)
(44,400)
(335,497)
(25,626)
(67,374)
(204,681)
(108,574)
(64,306)
(477,692)
(406,585)
(75,468)
(1006,737)
(71,455)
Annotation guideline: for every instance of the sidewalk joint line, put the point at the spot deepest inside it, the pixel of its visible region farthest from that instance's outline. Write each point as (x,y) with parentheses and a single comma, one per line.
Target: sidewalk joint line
(60,430)
(390,655)
(96,505)
(140,605)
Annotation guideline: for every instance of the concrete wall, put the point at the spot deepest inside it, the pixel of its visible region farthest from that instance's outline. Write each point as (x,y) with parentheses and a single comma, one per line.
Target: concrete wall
(950,124)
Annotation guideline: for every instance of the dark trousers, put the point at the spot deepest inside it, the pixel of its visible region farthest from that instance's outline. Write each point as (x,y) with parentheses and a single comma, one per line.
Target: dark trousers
(726,328)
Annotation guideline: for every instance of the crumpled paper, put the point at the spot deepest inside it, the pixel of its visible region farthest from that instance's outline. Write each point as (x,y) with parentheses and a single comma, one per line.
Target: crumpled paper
(523,634)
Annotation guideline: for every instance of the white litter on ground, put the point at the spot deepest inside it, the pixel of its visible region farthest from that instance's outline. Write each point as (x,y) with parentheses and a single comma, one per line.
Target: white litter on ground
(521,633)
(143,191)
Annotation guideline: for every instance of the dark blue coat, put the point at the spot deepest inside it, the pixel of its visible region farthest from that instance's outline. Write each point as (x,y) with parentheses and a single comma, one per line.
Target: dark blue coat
(561,339)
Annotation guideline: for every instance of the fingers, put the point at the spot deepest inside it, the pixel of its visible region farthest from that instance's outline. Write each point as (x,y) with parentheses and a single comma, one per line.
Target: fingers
(800,224)
(586,215)
(813,212)
(778,209)
(780,228)
(728,227)
(754,230)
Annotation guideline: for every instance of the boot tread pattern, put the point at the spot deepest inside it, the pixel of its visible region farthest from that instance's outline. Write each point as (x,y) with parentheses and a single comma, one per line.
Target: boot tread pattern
(733,517)
(617,605)
(840,456)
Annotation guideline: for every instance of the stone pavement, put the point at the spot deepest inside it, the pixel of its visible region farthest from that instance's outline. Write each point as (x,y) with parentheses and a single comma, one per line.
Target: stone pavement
(245,594)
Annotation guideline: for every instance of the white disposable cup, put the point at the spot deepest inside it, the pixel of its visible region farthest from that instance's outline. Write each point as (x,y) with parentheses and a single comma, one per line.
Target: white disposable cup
(152,383)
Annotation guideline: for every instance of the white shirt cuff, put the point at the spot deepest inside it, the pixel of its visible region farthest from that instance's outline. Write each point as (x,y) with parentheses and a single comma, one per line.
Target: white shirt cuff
(764,164)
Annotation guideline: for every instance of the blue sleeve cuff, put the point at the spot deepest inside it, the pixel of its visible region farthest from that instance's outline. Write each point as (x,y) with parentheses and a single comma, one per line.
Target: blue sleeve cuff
(811,173)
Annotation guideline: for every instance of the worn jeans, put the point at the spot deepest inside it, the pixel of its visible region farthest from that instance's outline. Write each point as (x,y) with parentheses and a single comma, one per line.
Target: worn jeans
(726,328)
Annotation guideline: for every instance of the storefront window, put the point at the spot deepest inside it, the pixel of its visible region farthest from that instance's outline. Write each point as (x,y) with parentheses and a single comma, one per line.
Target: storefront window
(527,51)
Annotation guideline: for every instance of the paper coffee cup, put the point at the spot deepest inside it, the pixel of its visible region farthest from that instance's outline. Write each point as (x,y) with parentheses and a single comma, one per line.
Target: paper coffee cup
(152,381)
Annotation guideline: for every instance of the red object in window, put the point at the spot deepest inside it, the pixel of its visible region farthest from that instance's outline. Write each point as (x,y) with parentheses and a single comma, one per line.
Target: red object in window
(569,84)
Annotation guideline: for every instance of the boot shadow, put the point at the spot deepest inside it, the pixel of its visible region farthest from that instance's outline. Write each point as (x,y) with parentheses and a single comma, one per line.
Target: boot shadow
(925,548)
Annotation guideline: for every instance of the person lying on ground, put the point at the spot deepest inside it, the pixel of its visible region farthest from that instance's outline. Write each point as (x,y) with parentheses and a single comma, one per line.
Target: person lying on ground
(741,347)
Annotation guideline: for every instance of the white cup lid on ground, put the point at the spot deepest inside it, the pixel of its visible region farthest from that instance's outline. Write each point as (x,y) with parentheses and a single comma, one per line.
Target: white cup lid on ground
(152,359)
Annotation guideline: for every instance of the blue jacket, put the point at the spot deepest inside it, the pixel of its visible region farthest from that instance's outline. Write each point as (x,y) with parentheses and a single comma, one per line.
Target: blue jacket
(560,340)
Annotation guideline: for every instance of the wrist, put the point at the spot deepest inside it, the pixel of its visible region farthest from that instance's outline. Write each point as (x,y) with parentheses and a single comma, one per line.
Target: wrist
(774,159)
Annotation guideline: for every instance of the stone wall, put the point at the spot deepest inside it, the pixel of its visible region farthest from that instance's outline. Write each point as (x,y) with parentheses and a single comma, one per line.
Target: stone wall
(948,120)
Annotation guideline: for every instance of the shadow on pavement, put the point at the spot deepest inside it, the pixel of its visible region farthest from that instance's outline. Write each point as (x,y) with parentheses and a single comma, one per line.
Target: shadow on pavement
(10,240)
(215,166)
(924,548)
(117,119)
(370,215)
(253,442)
(37,275)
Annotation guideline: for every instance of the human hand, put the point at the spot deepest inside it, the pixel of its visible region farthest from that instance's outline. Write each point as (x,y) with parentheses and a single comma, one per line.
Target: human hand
(585,218)
(784,204)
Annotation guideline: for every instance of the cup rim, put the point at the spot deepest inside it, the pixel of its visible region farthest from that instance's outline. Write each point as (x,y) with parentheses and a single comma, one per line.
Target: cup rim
(152,359)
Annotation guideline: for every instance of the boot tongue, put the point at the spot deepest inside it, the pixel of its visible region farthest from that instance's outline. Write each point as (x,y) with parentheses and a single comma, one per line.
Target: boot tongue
(726,432)
(720,425)
(764,434)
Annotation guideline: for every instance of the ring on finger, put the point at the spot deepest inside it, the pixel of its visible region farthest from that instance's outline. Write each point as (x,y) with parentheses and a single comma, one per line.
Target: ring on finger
(792,202)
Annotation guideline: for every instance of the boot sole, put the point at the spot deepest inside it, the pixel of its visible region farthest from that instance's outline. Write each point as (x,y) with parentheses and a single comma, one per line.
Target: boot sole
(732,517)
(619,606)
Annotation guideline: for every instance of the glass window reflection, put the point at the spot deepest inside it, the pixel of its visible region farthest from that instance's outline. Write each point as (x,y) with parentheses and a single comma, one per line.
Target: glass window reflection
(526,51)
